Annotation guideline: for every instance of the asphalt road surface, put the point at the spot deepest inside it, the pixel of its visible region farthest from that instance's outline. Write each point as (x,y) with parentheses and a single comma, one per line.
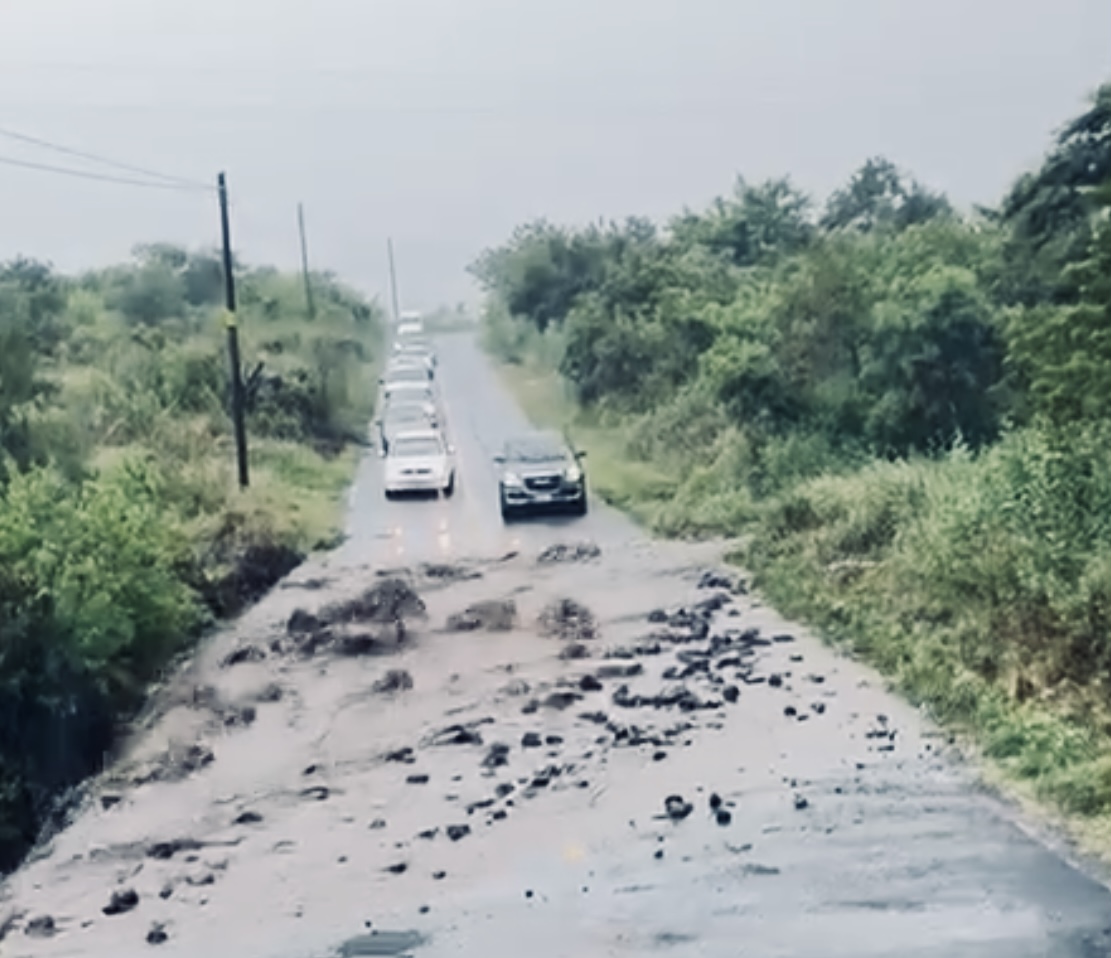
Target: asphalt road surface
(664,767)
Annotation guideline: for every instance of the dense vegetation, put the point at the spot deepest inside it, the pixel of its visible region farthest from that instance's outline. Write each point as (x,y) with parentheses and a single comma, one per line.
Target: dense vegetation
(122,532)
(900,408)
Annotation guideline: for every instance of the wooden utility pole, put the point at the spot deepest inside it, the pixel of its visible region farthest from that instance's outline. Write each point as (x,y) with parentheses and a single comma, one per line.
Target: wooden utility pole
(305,262)
(393,283)
(237,411)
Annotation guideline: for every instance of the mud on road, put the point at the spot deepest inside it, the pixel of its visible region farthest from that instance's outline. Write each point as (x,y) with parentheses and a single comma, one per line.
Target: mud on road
(585,752)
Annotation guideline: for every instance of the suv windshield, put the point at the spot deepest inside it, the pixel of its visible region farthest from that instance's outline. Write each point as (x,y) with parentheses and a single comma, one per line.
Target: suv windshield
(416,446)
(535,449)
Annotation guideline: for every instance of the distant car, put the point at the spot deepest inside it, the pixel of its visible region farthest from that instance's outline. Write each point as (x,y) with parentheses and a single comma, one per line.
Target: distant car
(406,330)
(415,349)
(420,391)
(401,417)
(420,462)
(539,472)
(407,371)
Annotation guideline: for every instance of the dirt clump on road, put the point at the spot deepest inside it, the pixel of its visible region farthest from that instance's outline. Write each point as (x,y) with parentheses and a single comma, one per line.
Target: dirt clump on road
(568,620)
(569,552)
(493,615)
(395,680)
(341,627)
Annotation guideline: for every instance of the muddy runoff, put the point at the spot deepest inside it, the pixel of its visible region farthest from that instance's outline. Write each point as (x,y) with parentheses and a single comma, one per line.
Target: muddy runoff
(579,752)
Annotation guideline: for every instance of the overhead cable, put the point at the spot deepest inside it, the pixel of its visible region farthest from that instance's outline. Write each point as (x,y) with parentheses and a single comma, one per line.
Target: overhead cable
(184,186)
(103,160)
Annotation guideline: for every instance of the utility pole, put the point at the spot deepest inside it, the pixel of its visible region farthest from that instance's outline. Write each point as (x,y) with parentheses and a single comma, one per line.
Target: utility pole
(237,412)
(305,262)
(393,283)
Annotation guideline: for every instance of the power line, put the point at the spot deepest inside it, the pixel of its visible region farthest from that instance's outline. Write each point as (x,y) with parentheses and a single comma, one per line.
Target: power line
(103,177)
(104,161)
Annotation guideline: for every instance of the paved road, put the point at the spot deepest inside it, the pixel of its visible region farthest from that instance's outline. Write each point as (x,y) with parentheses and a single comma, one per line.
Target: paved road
(852,832)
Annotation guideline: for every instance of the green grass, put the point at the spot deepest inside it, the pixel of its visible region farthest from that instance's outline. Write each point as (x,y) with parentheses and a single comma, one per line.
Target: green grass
(971,583)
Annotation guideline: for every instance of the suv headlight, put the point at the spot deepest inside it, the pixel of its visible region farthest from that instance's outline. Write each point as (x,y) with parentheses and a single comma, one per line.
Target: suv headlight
(573,474)
(511,479)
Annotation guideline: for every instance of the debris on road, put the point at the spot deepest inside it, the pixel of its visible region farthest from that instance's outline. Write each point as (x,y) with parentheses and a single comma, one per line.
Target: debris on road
(165,850)
(497,756)
(569,621)
(245,653)
(121,901)
(457,735)
(561,700)
(676,808)
(569,552)
(493,615)
(41,926)
(715,580)
(395,680)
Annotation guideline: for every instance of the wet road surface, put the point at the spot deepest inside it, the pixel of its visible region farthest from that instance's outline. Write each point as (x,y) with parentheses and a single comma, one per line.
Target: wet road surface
(675,770)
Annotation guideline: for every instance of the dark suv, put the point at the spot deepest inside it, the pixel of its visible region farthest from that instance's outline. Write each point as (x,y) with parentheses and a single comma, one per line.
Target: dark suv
(540,472)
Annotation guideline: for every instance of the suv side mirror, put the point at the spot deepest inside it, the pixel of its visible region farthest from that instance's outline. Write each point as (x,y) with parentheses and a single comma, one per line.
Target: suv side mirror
(581,454)
(499,459)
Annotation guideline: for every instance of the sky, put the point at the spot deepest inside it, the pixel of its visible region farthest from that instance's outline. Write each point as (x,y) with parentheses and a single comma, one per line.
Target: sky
(445,123)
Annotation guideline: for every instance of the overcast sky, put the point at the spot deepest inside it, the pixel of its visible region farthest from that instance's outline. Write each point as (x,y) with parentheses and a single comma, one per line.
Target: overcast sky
(445,123)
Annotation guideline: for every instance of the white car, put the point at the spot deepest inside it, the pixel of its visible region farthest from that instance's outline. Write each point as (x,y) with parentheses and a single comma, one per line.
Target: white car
(401,417)
(407,371)
(420,462)
(409,392)
(421,356)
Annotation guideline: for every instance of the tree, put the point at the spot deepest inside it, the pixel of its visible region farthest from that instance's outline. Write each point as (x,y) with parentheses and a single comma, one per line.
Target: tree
(1048,212)
(876,197)
(1064,353)
(932,365)
(150,294)
(753,226)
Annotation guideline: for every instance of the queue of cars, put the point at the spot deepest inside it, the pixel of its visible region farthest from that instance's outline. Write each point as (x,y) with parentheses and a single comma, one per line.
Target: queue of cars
(536,471)
(411,429)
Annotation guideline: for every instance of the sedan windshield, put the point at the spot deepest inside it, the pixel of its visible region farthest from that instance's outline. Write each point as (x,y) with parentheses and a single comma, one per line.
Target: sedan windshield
(418,392)
(406,412)
(407,374)
(416,446)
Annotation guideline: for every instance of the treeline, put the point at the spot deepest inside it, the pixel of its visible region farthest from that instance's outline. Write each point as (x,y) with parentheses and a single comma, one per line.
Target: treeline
(122,533)
(901,406)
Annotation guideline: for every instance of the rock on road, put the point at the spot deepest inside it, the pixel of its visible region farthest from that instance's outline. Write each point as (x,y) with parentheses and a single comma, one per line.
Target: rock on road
(613,754)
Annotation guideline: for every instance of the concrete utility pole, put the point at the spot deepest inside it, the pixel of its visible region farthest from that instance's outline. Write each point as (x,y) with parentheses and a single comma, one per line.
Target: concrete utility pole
(309,304)
(393,283)
(237,410)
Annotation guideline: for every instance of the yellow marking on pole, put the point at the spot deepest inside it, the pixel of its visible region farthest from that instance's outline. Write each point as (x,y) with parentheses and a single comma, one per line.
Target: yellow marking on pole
(229,319)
